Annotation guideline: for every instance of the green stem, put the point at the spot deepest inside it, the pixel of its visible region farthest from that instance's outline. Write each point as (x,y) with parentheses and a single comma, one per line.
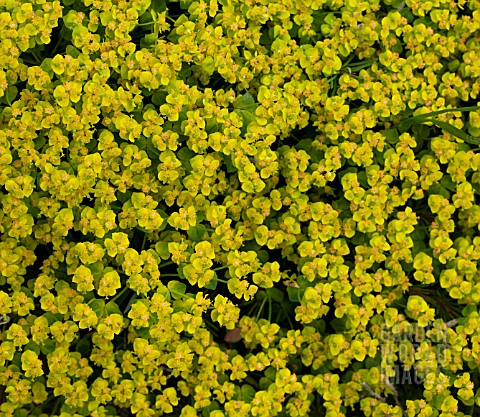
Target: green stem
(348,61)
(288,318)
(55,407)
(27,61)
(166,264)
(261,308)
(55,49)
(39,61)
(130,303)
(144,241)
(145,24)
(278,316)
(119,294)
(251,310)
(216,81)
(222,280)
(269,309)
(168,275)
(212,327)
(220,268)
(360,65)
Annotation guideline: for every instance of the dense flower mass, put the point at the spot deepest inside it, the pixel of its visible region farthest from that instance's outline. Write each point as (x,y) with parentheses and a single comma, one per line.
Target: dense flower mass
(233,208)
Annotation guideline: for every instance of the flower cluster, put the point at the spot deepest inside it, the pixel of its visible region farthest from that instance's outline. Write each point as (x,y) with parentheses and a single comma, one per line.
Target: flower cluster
(239,207)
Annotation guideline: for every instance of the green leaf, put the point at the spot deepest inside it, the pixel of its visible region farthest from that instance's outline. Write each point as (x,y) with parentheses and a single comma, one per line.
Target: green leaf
(248,393)
(177,289)
(247,118)
(251,245)
(97,269)
(33,347)
(180,270)
(72,51)
(418,237)
(40,142)
(144,333)
(421,131)
(339,324)
(295,294)
(182,116)
(391,136)
(17,361)
(52,318)
(123,197)
(212,285)
(303,261)
(83,347)
(245,102)
(208,64)
(11,94)
(271,373)
(185,72)
(362,179)
(447,182)
(173,36)
(159,5)
(264,383)
(438,189)
(262,256)
(207,411)
(162,249)
(476,188)
(261,295)
(275,294)
(185,154)
(212,125)
(152,152)
(98,306)
(48,346)
(164,216)
(159,97)
(358,238)
(185,4)
(227,159)
(21,413)
(148,40)
(141,142)
(469,310)
(112,308)
(195,233)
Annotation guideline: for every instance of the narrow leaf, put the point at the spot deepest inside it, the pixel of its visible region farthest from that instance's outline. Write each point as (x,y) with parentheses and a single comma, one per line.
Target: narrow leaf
(455,131)
(460,109)
(405,124)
